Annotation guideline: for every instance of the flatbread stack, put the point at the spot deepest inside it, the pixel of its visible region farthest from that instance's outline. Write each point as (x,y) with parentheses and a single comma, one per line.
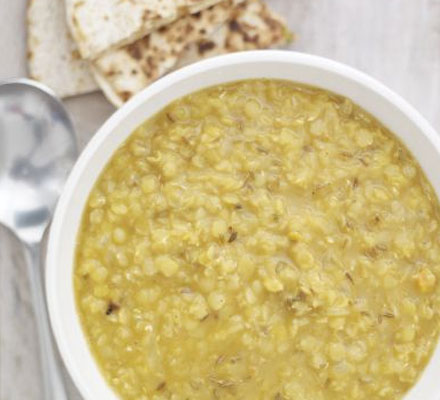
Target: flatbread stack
(121,46)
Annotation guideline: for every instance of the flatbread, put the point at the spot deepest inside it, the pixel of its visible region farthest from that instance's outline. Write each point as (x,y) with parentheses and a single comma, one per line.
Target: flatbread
(253,26)
(53,57)
(103,25)
(126,71)
(229,26)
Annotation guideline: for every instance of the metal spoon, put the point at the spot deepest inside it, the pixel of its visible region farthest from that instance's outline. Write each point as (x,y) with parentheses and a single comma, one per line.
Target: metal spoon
(37,151)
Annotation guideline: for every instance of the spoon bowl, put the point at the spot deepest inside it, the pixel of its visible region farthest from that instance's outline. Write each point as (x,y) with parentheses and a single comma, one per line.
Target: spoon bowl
(37,151)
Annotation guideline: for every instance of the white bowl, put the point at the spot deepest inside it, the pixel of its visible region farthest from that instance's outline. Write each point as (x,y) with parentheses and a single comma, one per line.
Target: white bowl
(371,95)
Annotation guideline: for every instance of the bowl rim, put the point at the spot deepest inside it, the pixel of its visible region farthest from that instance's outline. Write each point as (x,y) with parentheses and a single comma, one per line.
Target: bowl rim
(119,116)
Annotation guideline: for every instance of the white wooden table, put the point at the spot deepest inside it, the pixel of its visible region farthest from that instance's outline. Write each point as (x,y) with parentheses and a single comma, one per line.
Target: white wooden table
(396,41)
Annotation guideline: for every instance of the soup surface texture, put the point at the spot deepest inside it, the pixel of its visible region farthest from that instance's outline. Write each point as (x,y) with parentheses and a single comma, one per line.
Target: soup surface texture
(260,240)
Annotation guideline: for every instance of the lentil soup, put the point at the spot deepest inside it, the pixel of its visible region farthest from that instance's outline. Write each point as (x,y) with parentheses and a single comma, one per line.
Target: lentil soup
(260,240)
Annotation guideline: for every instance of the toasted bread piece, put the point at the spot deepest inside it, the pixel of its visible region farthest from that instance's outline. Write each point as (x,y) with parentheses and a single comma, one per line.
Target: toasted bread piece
(233,25)
(253,26)
(53,57)
(102,25)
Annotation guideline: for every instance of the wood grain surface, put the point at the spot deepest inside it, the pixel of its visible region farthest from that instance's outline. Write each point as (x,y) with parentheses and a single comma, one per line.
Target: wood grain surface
(396,41)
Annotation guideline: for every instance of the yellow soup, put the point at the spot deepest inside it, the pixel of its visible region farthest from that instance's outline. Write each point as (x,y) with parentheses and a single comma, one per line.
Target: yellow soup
(260,240)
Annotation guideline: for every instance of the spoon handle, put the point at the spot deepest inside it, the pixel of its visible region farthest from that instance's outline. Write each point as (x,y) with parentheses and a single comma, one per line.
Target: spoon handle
(54,387)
